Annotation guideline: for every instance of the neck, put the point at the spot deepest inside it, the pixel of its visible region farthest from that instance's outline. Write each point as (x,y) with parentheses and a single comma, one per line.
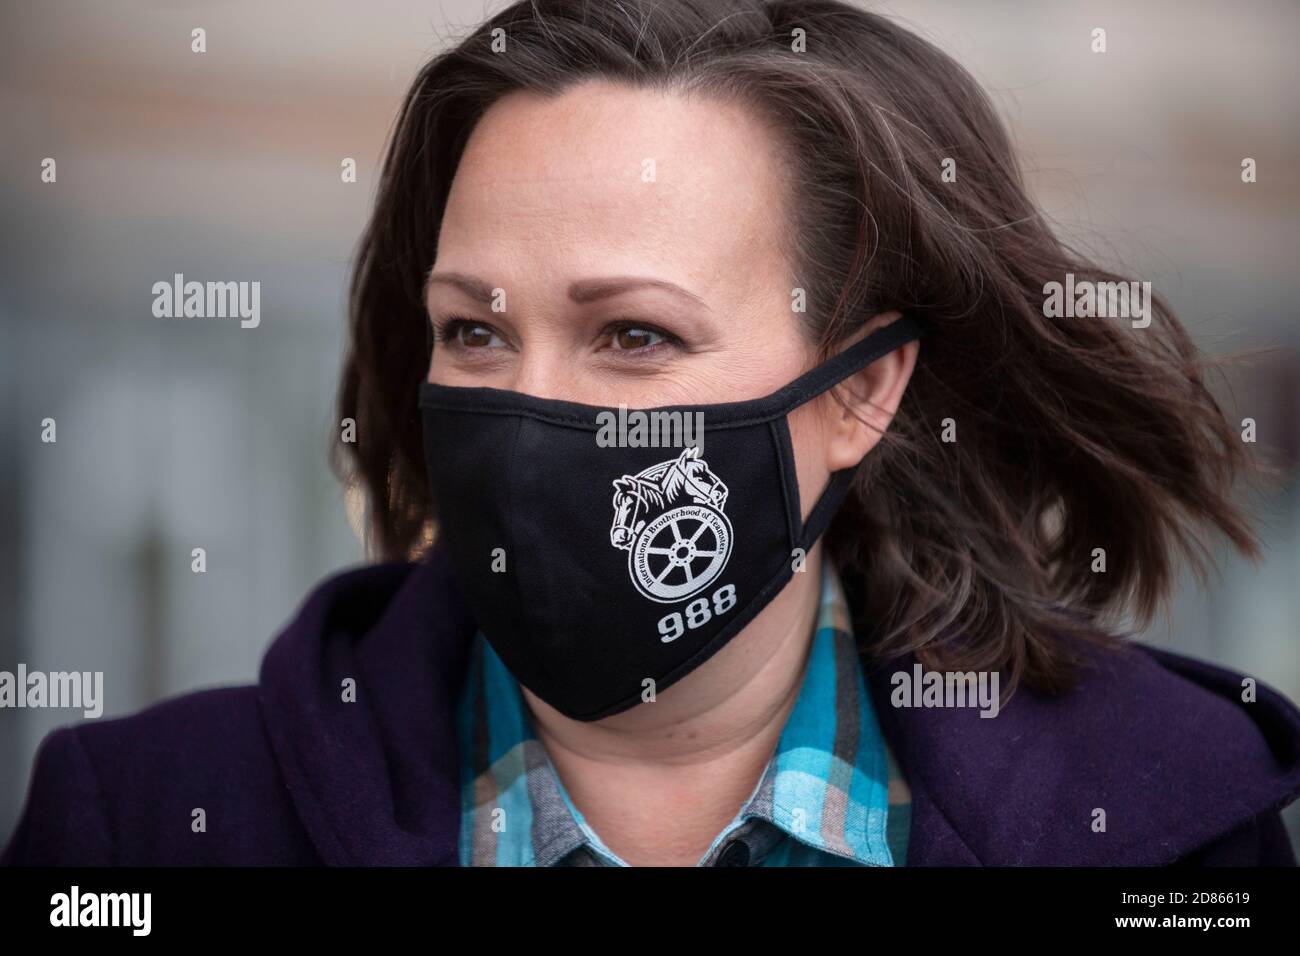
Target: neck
(658,782)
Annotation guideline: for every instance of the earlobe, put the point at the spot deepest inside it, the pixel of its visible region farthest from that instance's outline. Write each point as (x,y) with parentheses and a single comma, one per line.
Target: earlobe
(862,406)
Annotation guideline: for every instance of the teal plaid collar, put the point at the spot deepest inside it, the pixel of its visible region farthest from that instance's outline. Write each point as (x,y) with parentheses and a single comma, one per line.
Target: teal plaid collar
(825,797)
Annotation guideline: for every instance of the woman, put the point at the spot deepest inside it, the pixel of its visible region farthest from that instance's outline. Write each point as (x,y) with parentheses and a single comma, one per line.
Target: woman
(711,635)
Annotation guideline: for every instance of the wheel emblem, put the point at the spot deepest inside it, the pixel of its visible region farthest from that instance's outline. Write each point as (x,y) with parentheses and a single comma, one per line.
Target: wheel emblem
(680,552)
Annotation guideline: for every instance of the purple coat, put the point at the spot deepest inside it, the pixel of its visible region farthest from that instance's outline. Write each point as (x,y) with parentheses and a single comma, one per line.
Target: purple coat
(290,774)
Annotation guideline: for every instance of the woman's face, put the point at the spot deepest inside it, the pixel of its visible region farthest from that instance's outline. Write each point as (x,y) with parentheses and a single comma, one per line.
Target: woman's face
(633,242)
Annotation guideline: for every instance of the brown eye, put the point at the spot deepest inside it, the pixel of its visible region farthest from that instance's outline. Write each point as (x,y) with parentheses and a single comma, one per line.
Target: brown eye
(632,337)
(471,335)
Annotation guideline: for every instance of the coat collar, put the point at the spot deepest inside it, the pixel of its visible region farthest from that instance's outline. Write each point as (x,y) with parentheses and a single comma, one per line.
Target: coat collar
(1149,758)
(374,780)
(1160,743)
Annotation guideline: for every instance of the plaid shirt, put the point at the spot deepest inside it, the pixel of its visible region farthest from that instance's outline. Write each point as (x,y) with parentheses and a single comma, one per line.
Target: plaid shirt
(831,795)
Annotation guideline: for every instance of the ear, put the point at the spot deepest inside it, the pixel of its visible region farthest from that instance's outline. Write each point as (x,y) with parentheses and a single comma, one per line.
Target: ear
(858,410)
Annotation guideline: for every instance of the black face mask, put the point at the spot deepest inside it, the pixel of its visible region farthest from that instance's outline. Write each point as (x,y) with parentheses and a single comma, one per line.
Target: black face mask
(592,569)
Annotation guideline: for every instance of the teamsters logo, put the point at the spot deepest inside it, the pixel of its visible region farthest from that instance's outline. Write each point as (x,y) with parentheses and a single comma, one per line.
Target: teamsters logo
(676,547)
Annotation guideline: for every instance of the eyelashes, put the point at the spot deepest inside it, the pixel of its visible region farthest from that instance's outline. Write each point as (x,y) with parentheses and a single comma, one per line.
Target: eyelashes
(667,339)
(450,331)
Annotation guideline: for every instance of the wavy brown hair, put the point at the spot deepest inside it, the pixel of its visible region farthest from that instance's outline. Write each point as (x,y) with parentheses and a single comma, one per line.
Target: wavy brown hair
(1072,434)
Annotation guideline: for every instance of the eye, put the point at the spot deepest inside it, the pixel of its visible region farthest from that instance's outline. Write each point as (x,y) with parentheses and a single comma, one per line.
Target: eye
(464,333)
(628,337)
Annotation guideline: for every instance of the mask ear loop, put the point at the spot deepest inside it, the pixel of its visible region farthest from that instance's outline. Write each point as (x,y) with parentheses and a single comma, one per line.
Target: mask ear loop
(830,373)
(853,359)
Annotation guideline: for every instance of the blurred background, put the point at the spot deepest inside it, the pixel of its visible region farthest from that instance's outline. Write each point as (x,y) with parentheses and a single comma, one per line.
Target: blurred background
(226,166)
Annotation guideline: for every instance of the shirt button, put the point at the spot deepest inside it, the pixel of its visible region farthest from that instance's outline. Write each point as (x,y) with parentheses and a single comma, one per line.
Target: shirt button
(737,854)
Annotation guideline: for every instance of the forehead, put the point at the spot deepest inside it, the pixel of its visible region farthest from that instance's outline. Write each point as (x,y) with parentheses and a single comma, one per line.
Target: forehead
(615,177)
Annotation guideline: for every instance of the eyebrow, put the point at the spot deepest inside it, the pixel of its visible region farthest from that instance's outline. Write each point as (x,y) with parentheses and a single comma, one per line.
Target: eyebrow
(581,291)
